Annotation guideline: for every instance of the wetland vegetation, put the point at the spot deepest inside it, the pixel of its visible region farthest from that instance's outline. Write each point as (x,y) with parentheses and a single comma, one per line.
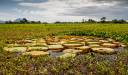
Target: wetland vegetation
(91,63)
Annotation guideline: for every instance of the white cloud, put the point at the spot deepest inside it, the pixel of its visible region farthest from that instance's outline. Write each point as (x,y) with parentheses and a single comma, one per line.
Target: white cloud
(52,8)
(7,16)
(50,19)
(60,7)
(59,18)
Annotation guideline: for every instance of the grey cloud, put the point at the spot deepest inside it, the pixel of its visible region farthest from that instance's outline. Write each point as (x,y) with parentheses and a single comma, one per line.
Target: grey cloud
(121,2)
(119,11)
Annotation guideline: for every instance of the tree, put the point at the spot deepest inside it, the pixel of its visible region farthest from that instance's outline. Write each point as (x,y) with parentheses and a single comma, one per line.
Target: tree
(9,22)
(122,21)
(45,22)
(91,21)
(24,20)
(103,19)
(57,22)
(115,21)
(39,22)
(119,21)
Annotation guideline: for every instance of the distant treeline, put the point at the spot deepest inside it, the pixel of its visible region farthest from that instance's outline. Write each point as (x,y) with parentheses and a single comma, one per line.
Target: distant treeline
(22,21)
(102,20)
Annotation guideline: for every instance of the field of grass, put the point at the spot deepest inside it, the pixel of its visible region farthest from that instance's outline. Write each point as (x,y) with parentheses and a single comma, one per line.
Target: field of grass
(89,64)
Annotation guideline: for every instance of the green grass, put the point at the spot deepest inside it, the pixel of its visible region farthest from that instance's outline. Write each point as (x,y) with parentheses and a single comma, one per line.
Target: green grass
(27,30)
(88,64)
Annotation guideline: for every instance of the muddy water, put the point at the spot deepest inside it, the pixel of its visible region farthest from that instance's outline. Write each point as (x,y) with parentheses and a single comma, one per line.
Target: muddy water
(55,54)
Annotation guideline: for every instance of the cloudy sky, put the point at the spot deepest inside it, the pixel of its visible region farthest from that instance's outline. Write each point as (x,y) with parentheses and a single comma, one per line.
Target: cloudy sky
(63,10)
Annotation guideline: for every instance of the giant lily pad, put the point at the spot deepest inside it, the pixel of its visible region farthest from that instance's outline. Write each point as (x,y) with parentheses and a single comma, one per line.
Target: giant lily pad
(38,48)
(72,44)
(36,53)
(72,51)
(43,44)
(55,47)
(15,49)
(94,45)
(93,42)
(103,50)
(77,39)
(24,41)
(84,48)
(109,45)
(103,41)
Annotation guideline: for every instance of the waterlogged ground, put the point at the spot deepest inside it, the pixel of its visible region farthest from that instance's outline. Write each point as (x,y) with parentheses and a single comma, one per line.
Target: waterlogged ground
(65,46)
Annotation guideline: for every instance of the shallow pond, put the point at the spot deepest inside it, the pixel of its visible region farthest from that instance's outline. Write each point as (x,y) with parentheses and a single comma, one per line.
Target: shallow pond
(56,46)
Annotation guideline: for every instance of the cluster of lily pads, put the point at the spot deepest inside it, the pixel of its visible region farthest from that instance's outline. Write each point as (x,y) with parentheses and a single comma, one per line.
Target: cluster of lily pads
(64,46)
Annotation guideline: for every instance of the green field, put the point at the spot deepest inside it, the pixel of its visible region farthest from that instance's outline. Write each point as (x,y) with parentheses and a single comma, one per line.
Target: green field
(28,30)
(89,64)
